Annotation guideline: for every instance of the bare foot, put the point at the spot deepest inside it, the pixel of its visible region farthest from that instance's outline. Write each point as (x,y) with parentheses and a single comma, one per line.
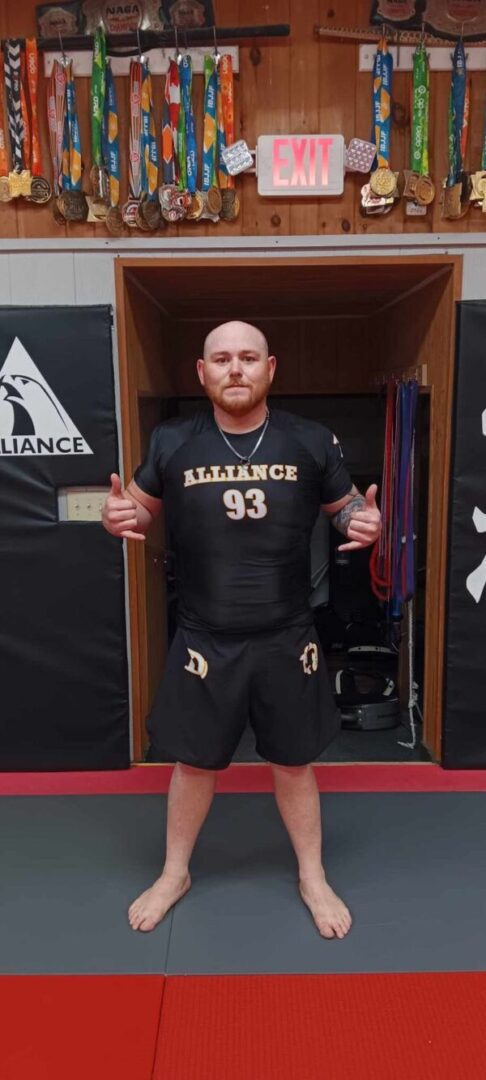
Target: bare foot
(152,905)
(330,915)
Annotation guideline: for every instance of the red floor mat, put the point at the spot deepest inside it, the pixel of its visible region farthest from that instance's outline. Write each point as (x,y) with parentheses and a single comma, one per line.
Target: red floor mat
(323,1027)
(79,1027)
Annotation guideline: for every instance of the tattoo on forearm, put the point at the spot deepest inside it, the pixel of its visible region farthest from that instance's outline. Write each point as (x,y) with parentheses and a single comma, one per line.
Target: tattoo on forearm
(343,517)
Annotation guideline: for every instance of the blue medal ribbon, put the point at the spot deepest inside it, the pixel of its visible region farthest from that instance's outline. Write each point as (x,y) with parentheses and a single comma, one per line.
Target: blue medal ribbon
(382,88)
(456,113)
(109,137)
(210,134)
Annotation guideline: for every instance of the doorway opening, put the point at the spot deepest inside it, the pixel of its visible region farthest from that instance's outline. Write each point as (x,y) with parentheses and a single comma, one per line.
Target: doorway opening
(339,328)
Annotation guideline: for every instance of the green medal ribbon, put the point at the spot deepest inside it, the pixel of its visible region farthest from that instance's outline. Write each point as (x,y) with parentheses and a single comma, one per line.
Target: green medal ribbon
(419,152)
(98,91)
(181,148)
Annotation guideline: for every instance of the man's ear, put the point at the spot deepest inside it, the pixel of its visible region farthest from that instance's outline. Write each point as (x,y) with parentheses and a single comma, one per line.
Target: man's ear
(272,364)
(200,371)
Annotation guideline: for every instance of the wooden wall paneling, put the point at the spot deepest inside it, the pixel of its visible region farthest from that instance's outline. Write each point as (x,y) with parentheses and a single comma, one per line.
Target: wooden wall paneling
(319,355)
(338,65)
(283,336)
(228,14)
(265,110)
(355,342)
(304,102)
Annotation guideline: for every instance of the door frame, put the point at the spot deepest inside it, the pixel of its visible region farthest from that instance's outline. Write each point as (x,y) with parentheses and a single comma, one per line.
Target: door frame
(438,484)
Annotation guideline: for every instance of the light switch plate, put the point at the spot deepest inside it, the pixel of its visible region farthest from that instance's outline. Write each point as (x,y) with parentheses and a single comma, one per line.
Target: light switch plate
(81,503)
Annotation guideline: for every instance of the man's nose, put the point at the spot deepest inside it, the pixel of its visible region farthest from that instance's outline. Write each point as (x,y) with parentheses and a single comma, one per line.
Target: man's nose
(235,366)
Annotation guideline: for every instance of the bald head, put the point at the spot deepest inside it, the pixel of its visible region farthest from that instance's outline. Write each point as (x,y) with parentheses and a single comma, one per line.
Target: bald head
(237,334)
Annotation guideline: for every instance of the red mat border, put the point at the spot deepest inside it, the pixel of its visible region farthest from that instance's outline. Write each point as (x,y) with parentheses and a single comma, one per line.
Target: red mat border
(155,779)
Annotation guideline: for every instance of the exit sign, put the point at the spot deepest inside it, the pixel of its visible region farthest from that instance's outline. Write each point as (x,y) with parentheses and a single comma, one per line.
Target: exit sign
(300,165)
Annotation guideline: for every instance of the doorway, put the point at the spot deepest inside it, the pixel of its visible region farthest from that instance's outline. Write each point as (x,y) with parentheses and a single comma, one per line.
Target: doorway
(339,328)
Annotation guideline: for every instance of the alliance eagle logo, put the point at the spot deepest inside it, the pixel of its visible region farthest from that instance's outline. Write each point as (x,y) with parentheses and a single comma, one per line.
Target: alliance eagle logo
(32,419)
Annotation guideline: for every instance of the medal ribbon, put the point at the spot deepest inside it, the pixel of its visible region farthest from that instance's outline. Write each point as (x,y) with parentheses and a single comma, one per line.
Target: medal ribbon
(458,115)
(382,87)
(32,59)
(4,167)
(226,116)
(170,123)
(110,138)
(98,91)
(190,156)
(419,154)
(56,98)
(73,137)
(14,107)
(209,140)
(149,148)
(135,157)
(168,170)
(26,145)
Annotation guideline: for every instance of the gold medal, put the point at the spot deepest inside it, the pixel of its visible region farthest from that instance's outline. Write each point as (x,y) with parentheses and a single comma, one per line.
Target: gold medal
(196,208)
(383,181)
(214,200)
(114,221)
(424,191)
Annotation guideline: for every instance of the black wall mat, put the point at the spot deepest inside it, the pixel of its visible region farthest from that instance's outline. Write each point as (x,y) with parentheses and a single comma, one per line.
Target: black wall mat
(464,739)
(63,663)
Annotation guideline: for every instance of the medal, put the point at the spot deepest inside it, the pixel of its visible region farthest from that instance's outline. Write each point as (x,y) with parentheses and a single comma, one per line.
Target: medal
(149,214)
(424,191)
(196,207)
(229,153)
(383,181)
(186,141)
(5,195)
(135,148)
(457,184)
(110,148)
(56,95)
(210,192)
(72,202)
(418,184)
(99,201)
(41,190)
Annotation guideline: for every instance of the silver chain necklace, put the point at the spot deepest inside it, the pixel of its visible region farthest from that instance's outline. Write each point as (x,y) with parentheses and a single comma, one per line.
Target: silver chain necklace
(245,458)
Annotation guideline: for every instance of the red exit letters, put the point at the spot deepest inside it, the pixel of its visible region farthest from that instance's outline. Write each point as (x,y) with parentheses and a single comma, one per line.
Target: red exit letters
(301,161)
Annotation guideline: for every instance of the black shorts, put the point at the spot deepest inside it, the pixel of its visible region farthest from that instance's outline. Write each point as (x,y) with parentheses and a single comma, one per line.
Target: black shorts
(214,683)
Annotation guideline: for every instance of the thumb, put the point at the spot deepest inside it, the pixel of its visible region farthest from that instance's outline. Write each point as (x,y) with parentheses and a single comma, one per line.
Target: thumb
(116,488)
(370,496)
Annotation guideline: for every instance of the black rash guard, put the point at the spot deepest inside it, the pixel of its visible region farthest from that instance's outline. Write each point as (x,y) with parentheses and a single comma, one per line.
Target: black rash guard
(241,534)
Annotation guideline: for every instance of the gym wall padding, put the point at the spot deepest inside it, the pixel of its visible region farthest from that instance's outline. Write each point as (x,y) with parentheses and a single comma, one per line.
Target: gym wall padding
(464,733)
(63,662)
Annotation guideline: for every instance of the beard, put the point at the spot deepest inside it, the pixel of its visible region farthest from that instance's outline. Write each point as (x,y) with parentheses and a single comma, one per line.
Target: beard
(237,404)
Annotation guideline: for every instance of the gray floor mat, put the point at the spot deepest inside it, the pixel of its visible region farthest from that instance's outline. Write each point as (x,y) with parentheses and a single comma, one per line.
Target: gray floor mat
(410,866)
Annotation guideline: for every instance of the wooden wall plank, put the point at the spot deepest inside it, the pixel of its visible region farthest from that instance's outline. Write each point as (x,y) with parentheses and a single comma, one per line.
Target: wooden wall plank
(265,110)
(297,84)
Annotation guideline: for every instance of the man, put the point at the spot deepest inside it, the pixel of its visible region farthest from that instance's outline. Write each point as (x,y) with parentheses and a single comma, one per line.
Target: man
(242,488)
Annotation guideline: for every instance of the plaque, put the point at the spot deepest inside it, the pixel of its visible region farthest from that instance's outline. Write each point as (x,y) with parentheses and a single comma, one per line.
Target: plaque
(66,19)
(188,14)
(237,157)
